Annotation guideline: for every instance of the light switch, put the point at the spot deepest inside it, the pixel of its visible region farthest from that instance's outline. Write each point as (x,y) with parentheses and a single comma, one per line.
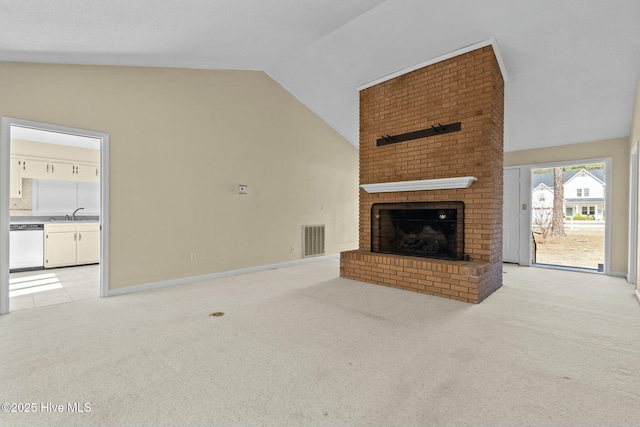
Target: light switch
(243,189)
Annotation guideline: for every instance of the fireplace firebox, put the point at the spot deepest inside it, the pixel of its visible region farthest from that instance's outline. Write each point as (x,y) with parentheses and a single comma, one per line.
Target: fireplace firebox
(424,229)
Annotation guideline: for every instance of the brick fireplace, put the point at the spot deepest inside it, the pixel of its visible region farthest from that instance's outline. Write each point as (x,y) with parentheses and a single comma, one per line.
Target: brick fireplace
(467,91)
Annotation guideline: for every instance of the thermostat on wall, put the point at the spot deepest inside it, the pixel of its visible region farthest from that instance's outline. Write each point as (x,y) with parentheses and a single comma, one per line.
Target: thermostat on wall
(242,189)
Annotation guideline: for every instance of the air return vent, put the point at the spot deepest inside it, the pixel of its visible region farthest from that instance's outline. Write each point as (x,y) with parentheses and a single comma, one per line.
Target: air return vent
(312,240)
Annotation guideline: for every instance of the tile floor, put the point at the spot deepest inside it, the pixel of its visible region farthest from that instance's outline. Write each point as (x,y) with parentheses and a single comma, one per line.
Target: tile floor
(31,289)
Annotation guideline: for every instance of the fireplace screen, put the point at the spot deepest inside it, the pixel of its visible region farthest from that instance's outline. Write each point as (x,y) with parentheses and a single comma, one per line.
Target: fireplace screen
(427,229)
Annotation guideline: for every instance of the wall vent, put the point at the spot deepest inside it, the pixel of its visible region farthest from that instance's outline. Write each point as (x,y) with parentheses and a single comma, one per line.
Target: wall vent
(312,240)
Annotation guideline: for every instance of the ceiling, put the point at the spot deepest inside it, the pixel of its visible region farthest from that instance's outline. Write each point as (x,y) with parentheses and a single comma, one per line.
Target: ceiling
(58,138)
(572,65)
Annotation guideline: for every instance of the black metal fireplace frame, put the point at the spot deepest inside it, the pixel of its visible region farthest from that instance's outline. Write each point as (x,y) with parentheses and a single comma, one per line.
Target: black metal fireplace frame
(458,206)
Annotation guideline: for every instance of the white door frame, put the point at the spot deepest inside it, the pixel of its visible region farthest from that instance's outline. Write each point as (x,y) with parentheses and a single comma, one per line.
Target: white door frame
(607,201)
(510,168)
(5,152)
(633,215)
(525,216)
(524,252)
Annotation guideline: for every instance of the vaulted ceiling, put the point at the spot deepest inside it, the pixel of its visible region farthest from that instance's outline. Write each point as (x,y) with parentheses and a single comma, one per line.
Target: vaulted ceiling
(572,65)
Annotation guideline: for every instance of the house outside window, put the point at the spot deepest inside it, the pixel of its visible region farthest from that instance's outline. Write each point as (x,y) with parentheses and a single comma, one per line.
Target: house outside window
(589,210)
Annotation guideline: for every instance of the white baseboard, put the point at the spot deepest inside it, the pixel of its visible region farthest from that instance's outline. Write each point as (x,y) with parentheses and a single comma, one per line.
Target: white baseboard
(183,280)
(619,274)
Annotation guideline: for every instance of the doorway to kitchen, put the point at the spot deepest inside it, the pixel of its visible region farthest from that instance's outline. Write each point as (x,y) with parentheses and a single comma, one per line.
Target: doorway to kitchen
(569,221)
(53,214)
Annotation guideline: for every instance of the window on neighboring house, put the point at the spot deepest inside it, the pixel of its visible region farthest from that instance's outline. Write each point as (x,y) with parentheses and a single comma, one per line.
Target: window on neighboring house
(582,192)
(542,198)
(579,192)
(585,192)
(588,210)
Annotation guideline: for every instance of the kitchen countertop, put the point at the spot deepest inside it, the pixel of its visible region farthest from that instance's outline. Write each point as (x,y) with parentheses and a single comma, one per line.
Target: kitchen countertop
(51,219)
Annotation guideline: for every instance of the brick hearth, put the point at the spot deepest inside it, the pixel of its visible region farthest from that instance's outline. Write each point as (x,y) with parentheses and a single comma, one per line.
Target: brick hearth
(469,89)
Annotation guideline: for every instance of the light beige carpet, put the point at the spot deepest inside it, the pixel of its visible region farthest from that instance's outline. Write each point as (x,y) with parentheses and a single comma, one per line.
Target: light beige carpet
(299,346)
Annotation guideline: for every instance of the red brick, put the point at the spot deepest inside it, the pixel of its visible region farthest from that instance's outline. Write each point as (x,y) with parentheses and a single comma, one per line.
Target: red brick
(467,88)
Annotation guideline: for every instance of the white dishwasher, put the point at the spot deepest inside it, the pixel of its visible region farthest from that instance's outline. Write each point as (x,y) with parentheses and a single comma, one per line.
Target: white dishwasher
(26,247)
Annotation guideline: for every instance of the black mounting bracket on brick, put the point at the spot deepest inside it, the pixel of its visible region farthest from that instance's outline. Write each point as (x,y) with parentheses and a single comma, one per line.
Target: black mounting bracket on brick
(424,133)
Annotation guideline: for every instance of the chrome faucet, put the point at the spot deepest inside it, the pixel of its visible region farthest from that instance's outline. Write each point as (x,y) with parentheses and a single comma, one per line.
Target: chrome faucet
(73,215)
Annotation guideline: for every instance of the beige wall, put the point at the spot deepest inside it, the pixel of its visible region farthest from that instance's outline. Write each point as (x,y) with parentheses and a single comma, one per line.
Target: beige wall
(181,141)
(618,150)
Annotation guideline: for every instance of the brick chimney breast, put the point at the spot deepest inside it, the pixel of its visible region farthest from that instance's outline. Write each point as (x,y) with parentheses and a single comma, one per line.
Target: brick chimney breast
(469,89)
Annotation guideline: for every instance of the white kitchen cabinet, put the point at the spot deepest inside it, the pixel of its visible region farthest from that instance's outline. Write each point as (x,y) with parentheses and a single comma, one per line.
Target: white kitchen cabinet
(87,172)
(36,168)
(41,168)
(71,244)
(16,178)
(71,171)
(88,248)
(61,162)
(60,245)
(63,170)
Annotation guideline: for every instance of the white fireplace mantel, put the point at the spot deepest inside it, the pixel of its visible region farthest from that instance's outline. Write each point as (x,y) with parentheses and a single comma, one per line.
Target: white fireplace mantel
(424,184)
